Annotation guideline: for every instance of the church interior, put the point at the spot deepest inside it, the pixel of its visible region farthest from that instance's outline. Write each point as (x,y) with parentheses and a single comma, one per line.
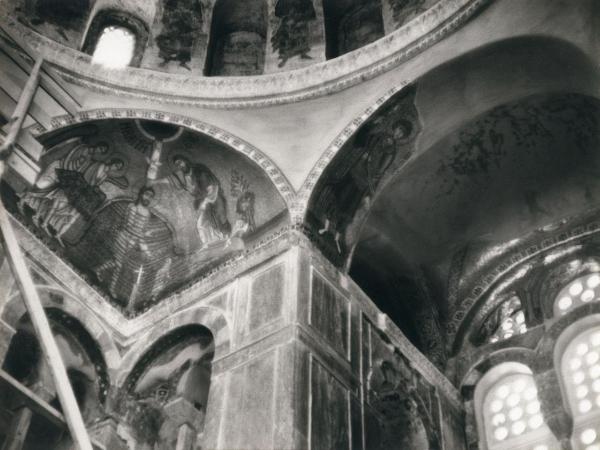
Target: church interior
(300,224)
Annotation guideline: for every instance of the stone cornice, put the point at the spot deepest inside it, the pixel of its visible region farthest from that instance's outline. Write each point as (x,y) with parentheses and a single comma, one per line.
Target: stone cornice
(270,89)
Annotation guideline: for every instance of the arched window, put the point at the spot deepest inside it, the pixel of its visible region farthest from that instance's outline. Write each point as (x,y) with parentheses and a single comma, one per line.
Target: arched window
(85,367)
(175,371)
(116,39)
(114,48)
(582,290)
(508,410)
(580,370)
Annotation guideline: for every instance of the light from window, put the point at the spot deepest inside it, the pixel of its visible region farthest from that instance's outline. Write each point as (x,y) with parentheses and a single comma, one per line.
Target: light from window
(511,321)
(513,407)
(509,412)
(581,377)
(580,291)
(114,49)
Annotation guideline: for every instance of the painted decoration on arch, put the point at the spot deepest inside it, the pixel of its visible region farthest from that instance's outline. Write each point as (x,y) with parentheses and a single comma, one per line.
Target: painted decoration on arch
(342,198)
(143,208)
(168,387)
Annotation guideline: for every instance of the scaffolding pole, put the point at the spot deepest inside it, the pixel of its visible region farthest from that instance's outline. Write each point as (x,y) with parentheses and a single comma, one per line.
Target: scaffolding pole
(27,287)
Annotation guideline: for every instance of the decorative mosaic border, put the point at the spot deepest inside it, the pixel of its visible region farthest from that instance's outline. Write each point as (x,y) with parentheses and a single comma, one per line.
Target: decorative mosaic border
(299,208)
(269,89)
(504,268)
(280,181)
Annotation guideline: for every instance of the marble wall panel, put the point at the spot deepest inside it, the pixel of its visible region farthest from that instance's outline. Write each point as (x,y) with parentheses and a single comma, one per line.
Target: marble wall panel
(266,296)
(249,407)
(330,416)
(330,314)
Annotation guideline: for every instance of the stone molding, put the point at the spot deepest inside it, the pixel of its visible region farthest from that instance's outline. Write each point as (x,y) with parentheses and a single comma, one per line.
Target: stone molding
(270,89)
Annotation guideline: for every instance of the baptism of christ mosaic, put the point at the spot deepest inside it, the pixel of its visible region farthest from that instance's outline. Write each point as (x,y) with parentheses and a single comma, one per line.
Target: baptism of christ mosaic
(142,208)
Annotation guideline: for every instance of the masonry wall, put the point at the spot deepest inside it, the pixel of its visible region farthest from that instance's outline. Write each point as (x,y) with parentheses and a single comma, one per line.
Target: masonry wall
(303,359)
(305,369)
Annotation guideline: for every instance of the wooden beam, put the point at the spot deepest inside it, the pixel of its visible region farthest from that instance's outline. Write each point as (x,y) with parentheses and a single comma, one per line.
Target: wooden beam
(43,331)
(50,81)
(19,427)
(33,401)
(14,88)
(36,404)
(21,109)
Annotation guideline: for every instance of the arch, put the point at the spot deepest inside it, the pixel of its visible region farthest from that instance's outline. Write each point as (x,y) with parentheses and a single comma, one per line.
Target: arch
(84,363)
(272,171)
(57,298)
(69,333)
(237,44)
(168,386)
(490,59)
(106,18)
(213,319)
(299,209)
(342,197)
(561,246)
(479,368)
